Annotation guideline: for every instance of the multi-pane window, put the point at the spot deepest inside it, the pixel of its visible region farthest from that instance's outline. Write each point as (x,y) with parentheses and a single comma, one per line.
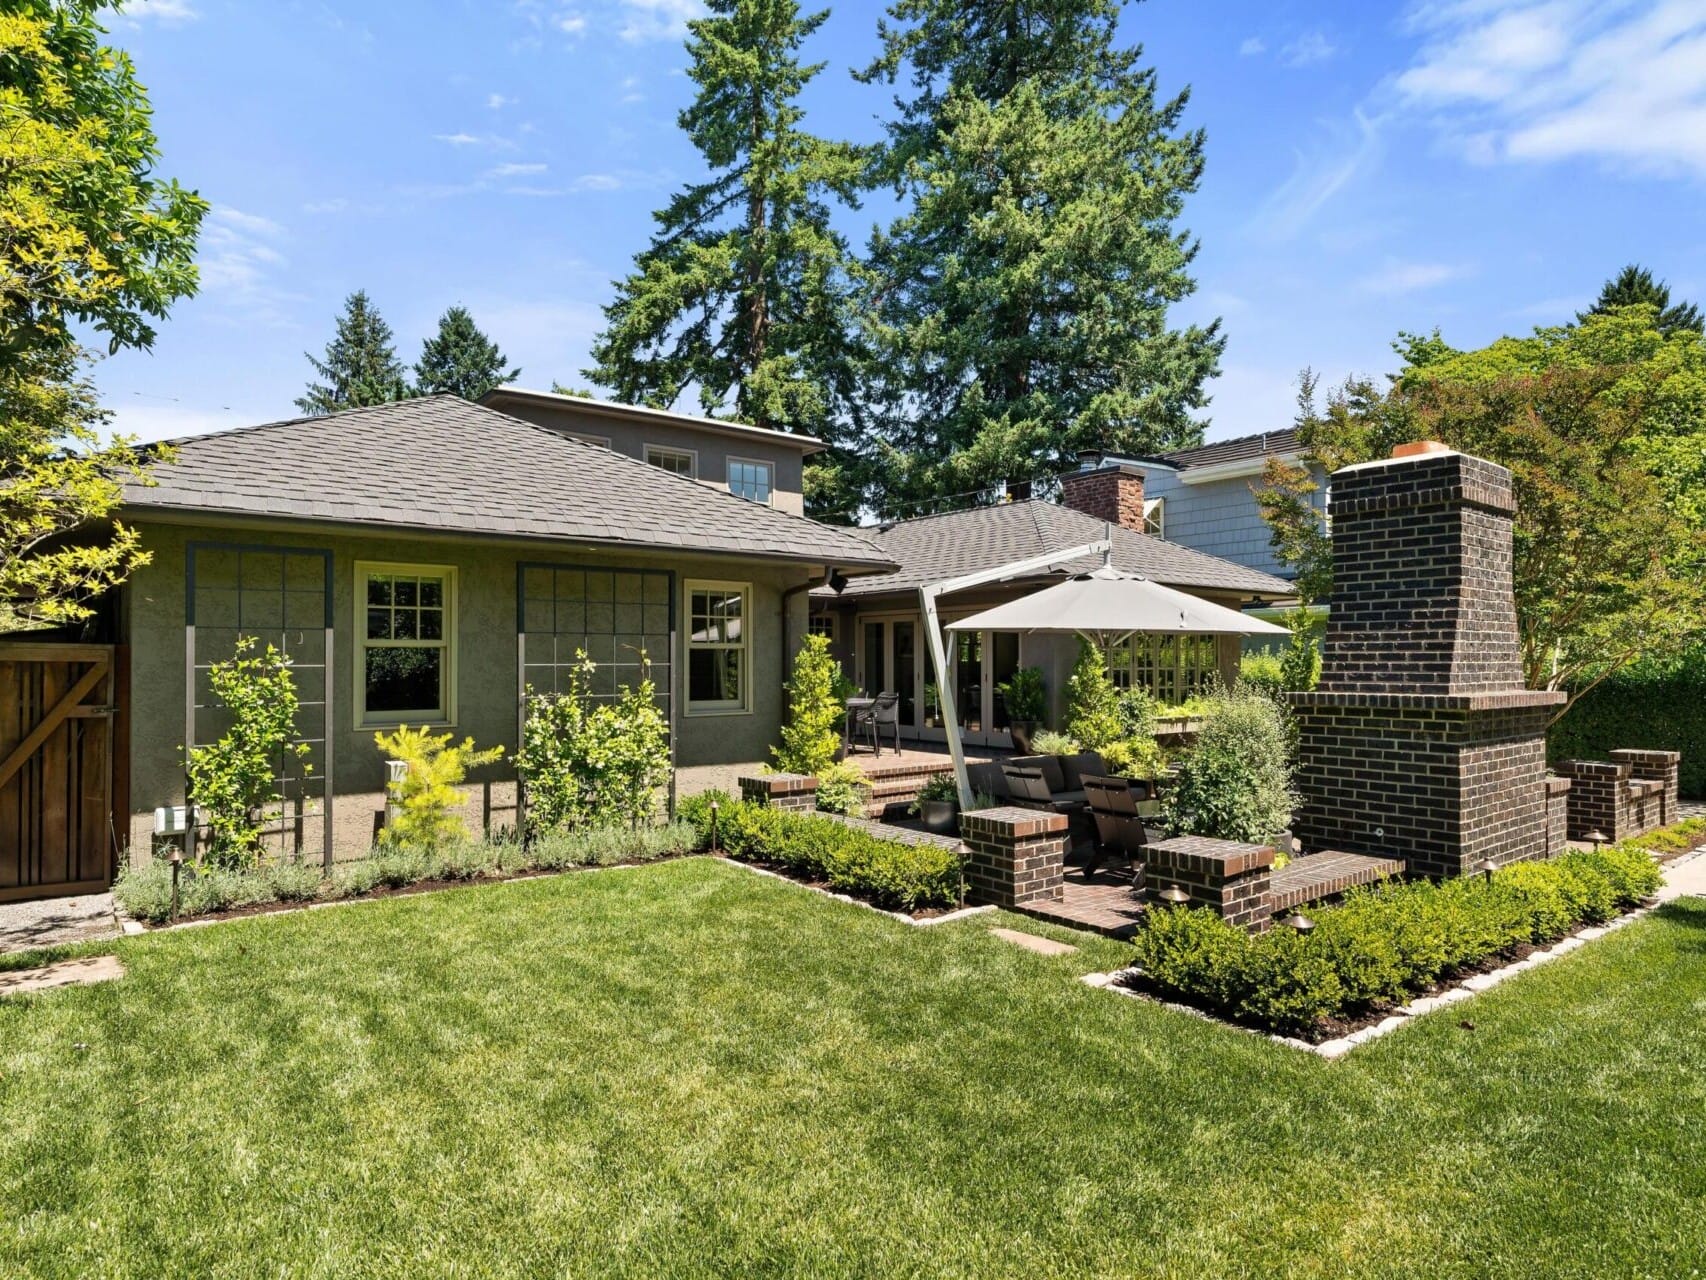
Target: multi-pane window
(718,643)
(681,462)
(405,624)
(822,624)
(1155,517)
(1171,667)
(751,480)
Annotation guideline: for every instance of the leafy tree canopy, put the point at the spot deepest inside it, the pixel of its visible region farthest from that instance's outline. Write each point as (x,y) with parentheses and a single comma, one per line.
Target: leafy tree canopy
(1603,426)
(88,235)
(361,366)
(88,232)
(460,359)
(1019,305)
(741,292)
(1635,286)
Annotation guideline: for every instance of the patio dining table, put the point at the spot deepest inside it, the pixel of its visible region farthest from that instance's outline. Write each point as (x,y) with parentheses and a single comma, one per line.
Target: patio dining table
(856,704)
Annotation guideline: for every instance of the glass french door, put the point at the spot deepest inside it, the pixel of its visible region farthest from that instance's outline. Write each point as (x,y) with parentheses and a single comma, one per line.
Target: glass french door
(982,661)
(888,663)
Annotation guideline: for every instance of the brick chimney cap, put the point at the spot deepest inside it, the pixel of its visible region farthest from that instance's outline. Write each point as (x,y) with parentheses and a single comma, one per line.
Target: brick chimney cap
(1416,448)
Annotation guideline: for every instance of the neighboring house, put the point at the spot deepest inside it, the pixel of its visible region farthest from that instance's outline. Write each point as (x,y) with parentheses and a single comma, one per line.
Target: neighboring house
(1203,498)
(874,622)
(425,560)
(756,463)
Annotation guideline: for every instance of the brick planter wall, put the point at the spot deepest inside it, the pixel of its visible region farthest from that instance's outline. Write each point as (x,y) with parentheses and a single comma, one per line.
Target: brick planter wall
(1664,767)
(1626,796)
(1231,878)
(1557,814)
(1421,742)
(1016,855)
(795,792)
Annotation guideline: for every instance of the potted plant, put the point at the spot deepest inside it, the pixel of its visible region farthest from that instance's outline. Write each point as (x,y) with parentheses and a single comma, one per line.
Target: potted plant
(1026,700)
(937,802)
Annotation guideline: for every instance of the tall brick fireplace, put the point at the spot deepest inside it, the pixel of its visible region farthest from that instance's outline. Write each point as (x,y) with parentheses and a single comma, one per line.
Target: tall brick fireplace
(1421,741)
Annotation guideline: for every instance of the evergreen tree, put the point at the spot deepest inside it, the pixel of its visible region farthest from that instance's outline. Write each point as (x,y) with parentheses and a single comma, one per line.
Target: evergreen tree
(1635,285)
(1020,304)
(742,290)
(460,359)
(360,367)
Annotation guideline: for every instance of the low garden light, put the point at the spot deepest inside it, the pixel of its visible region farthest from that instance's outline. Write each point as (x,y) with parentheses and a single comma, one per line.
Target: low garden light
(1298,921)
(713,826)
(176,858)
(1486,866)
(1174,896)
(1596,837)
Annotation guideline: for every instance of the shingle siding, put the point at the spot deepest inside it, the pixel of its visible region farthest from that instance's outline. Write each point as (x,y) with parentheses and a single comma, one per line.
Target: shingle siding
(1220,518)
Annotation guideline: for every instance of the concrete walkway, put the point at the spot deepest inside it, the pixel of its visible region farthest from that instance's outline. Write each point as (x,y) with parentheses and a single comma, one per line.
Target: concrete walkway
(47,923)
(1685,878)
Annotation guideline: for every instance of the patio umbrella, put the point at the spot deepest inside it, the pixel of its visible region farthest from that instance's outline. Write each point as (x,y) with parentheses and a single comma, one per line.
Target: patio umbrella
(1108,605)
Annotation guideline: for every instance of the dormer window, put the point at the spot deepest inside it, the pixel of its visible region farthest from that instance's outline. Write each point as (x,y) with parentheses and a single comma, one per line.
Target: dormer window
(751,480)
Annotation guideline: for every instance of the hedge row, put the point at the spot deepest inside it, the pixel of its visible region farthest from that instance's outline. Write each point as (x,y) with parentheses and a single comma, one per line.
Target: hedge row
(1658,704)
(893,875)
(1383,945)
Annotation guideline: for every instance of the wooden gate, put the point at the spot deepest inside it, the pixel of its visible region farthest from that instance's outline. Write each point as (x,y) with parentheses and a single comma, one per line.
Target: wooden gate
(58,832)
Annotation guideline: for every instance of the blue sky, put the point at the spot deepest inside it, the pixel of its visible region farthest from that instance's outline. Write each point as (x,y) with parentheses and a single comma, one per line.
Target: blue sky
(1479,165)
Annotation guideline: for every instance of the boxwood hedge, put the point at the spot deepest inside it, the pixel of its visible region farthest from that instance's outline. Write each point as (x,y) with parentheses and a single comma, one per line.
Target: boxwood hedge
(1385,944)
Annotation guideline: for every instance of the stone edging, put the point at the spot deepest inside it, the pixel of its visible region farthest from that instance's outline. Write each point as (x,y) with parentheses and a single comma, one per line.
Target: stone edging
(1401,1016)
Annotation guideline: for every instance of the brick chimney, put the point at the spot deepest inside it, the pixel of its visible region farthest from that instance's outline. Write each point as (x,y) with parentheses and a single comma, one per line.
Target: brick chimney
(1107,488)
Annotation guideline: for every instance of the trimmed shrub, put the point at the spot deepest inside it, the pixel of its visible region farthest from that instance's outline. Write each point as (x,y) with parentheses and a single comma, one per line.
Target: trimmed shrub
(842,788)
(1092,703)
(891,874)
(1380,945)
(1262,672)
(1235,784)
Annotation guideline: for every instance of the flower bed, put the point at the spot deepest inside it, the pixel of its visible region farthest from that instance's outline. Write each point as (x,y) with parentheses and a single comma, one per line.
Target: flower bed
(145,892)
(1382,945)
(886,873)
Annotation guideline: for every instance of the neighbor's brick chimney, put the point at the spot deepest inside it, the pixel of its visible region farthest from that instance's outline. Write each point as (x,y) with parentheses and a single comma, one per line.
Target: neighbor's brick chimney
(1107,488)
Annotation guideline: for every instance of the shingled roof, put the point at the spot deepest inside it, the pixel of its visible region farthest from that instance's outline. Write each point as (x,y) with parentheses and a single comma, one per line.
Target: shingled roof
(933,548)
(442,465)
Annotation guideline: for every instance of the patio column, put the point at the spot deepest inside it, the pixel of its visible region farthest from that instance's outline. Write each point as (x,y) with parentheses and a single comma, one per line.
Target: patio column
(1017,855)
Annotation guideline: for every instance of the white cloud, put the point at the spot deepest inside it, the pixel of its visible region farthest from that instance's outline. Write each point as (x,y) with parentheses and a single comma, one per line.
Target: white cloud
(456,139)
(463,138)
(1540,80)
(598,182)
(1308,49)
(240,262)
(497,102)
(1397,277)
(515,170)
(1252,46)
(335,204)
(1319,176)
(570,22)
(169,12)
(658,19)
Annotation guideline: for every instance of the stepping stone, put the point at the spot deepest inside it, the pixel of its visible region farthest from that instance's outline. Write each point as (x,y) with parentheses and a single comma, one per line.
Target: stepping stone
(67,973)
(1031,942)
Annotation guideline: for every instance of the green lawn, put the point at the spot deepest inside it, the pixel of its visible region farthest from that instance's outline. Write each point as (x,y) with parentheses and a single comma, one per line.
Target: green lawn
(689,1069)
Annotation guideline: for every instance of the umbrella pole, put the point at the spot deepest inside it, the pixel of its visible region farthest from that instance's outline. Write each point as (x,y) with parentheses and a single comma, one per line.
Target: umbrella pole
(945,692)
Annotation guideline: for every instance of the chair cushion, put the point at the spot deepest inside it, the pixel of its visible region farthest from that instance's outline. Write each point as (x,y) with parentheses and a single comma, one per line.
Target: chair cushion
(1053,774)
(988,779)
(1075,767)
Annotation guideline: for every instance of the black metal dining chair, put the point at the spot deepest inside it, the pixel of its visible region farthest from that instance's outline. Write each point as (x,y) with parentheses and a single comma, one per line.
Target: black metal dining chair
(882,716)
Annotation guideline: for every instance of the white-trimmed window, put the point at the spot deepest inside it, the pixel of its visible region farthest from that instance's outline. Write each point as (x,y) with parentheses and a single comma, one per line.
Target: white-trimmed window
(1171,667)
(681,462)
(598,442)
(405,660)
(1155,517)
(751,479)
(719,643)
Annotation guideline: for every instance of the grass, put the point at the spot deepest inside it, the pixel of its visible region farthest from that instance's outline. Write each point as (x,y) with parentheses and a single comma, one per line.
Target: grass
(688,1069)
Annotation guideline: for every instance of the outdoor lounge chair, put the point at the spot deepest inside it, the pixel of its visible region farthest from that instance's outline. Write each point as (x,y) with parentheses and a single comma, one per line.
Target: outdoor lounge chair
(1119,828)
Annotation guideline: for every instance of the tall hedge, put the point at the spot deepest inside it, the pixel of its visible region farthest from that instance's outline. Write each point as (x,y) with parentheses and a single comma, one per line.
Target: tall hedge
(1649,704)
